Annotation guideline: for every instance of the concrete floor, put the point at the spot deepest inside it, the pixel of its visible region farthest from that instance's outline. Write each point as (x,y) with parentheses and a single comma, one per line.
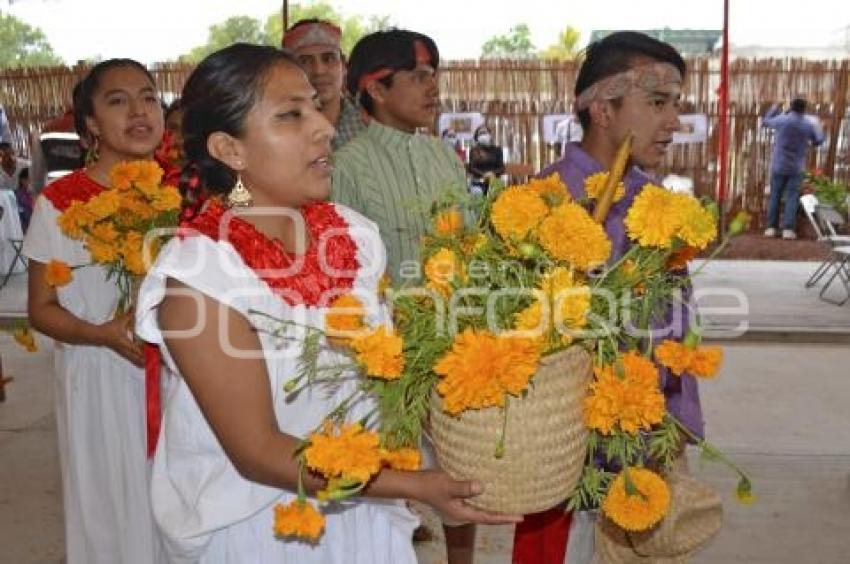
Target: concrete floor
(780,408)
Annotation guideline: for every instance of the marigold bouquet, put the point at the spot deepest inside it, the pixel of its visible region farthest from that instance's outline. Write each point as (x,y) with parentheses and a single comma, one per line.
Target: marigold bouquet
(553,254)
(113,223)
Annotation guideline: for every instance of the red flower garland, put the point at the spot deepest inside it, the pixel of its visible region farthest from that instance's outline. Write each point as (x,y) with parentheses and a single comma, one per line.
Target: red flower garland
(74,187)
(311,283)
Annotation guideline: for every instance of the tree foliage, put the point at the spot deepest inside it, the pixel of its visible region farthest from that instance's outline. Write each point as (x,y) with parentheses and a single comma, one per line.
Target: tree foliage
(516,44)
(22,45)
(567,46)
(270,32)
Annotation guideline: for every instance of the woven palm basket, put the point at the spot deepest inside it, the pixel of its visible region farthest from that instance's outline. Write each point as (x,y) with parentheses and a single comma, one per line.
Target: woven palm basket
(545,439)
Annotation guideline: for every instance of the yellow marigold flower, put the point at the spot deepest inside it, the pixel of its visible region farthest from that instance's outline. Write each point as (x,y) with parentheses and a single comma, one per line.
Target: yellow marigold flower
(24,337)
(625,396)
(517,212)
(137,206)
(441,269)
(380,354)
(348,452)
(149,176)
(122,175)
(652,220)
(102,251)
(569,234)
(568,305)
(698,226)
(552,189)
(706,362)
(643,506)
(298,519)
(480,369)
(57,274)
(448,222)
(104,204)
(595,183)
(405,459)
(166,199)
(344,316)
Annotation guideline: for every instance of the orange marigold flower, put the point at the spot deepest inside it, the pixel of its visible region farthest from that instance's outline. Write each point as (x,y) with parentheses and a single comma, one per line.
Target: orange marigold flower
(298,519)
(480,369)
(122,175)
(104,204)
(595,183)
(166,198)
(74,219)
(699,361)
(104,232)
(344,316)
(517,212)
(624,396)
(58,273)
(405,459)
(448,222)
(348,452)
(25,337)
(706,362)
(149,176)
(380,354)
(641,504)
(570,234)
(102,251)
(652,220)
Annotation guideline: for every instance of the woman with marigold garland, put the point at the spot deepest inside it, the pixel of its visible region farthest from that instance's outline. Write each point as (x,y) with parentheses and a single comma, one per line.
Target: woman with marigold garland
(99,391)
(628,82)
(268,250)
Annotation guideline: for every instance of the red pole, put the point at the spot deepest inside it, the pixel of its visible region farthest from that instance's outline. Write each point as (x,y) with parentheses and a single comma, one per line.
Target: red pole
(723,138)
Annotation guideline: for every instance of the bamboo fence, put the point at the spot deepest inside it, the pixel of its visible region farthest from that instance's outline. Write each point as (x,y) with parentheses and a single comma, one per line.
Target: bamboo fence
(515,95)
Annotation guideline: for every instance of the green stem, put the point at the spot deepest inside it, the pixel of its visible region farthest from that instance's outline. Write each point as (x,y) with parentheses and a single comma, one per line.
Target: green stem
(707,447)
(500,446)
(719,249)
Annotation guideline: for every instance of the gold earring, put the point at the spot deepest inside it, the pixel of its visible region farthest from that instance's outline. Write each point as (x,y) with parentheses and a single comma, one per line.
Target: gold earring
(239,196)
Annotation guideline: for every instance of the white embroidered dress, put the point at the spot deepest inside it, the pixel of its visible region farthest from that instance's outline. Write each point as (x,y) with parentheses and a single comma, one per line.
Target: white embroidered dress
(207,511)
(100,416)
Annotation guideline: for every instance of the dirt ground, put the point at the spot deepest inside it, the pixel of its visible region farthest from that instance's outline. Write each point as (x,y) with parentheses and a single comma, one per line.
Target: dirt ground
(755,246)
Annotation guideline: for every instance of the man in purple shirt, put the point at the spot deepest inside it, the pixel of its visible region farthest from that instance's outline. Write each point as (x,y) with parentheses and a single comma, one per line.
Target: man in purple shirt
(629,82)
(794,133)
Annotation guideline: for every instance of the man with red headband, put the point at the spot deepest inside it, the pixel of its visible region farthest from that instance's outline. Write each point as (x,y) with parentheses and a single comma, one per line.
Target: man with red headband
(393,172)
(316,43)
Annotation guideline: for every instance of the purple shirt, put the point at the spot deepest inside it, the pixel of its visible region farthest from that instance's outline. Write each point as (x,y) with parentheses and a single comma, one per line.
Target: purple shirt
(681,392)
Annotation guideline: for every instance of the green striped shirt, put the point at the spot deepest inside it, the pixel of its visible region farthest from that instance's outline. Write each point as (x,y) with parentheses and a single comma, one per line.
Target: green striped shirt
(392,177)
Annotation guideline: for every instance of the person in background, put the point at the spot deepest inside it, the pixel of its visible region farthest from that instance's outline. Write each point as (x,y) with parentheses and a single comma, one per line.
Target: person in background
(5,129)
(450,138)
(392,173)
(627,83)
(795,133)
(316,44)
(486,160)
(25,198)
(10,166)
(99,383)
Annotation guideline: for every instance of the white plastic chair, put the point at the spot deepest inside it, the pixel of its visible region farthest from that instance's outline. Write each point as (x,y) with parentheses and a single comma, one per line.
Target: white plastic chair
(824,223)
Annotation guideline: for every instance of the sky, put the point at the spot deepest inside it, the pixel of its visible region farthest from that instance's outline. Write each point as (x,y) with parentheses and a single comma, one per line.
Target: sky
(161,30)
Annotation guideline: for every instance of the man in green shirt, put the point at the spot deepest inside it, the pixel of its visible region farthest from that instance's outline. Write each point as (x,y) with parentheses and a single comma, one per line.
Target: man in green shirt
(316,43)
(392,173)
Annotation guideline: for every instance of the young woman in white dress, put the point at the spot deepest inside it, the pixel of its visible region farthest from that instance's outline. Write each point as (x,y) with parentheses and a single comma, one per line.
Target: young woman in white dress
(99,391)
(229,430)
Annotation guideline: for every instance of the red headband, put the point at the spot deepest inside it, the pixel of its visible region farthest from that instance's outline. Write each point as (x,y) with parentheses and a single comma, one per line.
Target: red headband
(421,55)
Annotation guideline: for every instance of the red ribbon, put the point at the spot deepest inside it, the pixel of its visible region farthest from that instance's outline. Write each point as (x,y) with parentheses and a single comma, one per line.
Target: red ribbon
(541,538)
(153,411)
